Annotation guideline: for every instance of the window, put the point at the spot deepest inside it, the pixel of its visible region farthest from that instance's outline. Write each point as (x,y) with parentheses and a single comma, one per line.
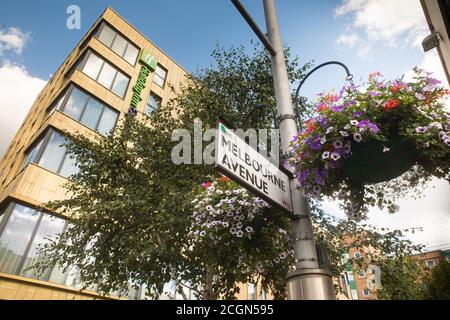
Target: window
(153,104)
(117,43)
(104,73)
(251,291)
(430,263)
(23,230)
(366,293)
(263,295)
(362,274)
(50,153)
(106,35)
(160,76)
(107,75)
(131,54)
(357,255)
(86,109)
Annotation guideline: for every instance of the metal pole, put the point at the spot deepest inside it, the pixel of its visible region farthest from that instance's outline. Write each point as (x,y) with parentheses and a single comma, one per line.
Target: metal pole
(254,26)
(308,281)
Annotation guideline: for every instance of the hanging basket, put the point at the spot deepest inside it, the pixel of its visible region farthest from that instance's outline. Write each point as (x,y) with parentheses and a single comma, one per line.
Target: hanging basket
(371,162)
(359,140)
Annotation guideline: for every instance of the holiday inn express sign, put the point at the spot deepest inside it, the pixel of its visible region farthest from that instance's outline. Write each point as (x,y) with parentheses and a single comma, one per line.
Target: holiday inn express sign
(149,64)
(245,165)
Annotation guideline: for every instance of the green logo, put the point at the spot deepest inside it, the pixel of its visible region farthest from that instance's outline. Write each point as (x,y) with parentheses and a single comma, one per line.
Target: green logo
(224,129)
(148,59)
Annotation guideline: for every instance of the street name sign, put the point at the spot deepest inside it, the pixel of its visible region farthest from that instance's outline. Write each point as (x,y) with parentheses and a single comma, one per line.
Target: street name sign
(246,166)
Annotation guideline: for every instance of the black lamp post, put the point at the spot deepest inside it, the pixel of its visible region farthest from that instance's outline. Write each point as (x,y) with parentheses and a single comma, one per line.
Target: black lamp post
(349,78)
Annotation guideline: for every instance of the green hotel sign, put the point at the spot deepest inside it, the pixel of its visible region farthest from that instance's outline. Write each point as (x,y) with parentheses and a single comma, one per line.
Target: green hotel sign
(149,63)
(147,59)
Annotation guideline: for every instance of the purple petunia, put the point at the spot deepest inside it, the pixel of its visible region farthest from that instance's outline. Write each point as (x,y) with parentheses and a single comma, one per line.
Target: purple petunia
(421,129)
(321,175)
(337,108)
(315,143)
(433,81)
(347,147)
(323,122)
(366,124)
(303,176)
(374,93)
(358,114)
(420,96)
(338,144)
(332,164)
(350,103)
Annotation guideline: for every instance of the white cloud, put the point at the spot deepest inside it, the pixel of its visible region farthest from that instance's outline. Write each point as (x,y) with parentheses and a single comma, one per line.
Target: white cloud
(13,39)
(349,6)
(348,40)
(386,21)
(431,213)
(17,94)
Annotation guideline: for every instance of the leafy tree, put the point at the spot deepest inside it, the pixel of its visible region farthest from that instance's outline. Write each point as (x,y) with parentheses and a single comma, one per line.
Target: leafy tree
(401,279)
(437,285)
(131,206)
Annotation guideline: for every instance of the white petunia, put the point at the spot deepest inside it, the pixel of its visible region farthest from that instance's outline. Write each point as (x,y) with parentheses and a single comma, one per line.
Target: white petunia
(335,156)
(357,137)
(435,125)
(354,122)
(325,155)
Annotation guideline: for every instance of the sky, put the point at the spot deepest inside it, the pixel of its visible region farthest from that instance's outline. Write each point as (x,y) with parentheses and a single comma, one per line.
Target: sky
(366,35)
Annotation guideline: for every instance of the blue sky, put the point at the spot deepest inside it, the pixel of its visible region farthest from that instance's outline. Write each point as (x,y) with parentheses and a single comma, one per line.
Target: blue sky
(367,35)
(189,30)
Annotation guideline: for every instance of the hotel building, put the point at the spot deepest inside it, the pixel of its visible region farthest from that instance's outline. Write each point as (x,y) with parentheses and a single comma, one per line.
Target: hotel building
(113,71)
(89,93)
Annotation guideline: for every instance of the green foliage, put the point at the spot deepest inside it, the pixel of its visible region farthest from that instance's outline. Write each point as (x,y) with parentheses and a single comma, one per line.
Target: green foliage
(401,279)
(131,207)
(437,285)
